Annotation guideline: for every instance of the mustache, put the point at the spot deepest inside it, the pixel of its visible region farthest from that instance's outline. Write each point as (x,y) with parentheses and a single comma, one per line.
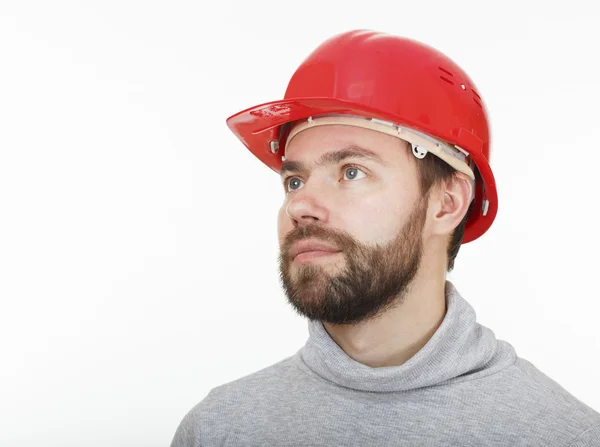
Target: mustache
(340,239)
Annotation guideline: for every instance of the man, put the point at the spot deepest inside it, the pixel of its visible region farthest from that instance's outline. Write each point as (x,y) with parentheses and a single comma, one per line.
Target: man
(382,144)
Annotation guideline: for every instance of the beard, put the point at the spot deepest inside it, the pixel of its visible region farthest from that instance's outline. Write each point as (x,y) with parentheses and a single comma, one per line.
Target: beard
(374,279)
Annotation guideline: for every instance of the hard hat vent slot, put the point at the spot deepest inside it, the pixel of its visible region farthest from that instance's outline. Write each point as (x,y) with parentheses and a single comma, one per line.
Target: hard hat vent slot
(443,78)
(449,73)
(446,76)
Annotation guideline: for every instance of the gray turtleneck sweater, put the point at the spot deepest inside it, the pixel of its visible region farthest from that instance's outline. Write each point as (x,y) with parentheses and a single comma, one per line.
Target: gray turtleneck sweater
(463,388)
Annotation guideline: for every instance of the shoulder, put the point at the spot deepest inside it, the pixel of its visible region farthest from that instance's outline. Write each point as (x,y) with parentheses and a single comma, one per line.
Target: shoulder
(211,418)
(270,378)
(537,384)
(556,406)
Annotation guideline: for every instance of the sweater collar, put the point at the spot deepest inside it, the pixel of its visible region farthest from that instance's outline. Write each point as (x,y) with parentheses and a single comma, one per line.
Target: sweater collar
(460,349)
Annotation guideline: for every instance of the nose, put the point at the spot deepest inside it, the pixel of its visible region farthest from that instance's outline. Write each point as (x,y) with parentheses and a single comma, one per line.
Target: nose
(306,207)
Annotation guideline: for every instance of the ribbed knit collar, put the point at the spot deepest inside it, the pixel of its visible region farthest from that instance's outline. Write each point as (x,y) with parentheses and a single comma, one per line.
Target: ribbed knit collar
(460,349)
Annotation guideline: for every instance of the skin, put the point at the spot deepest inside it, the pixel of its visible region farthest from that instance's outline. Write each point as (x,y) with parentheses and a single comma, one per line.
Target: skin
(382,295)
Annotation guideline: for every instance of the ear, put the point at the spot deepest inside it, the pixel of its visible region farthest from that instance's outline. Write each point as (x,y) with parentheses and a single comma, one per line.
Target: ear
(450,203)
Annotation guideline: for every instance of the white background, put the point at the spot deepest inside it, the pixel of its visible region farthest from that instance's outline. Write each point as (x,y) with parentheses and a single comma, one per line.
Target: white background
(138,249)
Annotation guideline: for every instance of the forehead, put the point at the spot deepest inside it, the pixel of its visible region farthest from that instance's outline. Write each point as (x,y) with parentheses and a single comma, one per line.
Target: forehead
(309,145)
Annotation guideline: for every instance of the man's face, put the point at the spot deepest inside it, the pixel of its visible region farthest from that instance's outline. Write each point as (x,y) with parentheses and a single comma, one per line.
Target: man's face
(367,211)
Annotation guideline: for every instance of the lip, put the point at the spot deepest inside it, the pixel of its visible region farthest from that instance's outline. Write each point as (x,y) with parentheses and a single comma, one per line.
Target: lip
(311,246)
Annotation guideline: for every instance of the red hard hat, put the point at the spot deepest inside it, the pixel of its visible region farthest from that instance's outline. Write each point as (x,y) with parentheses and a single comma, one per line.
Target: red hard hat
(390,79)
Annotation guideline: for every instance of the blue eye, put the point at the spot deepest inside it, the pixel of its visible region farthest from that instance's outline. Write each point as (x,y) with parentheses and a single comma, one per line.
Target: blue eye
(350,173)
(293,184)
(353,173)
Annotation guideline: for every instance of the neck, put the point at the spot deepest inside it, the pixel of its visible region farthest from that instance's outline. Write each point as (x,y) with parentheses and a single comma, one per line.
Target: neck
(395,336)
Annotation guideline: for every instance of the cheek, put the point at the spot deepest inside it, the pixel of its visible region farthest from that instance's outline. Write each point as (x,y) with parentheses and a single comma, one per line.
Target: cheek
(374,221)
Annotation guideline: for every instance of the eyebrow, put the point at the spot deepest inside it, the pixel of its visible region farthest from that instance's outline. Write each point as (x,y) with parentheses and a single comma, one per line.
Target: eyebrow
(333,157)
